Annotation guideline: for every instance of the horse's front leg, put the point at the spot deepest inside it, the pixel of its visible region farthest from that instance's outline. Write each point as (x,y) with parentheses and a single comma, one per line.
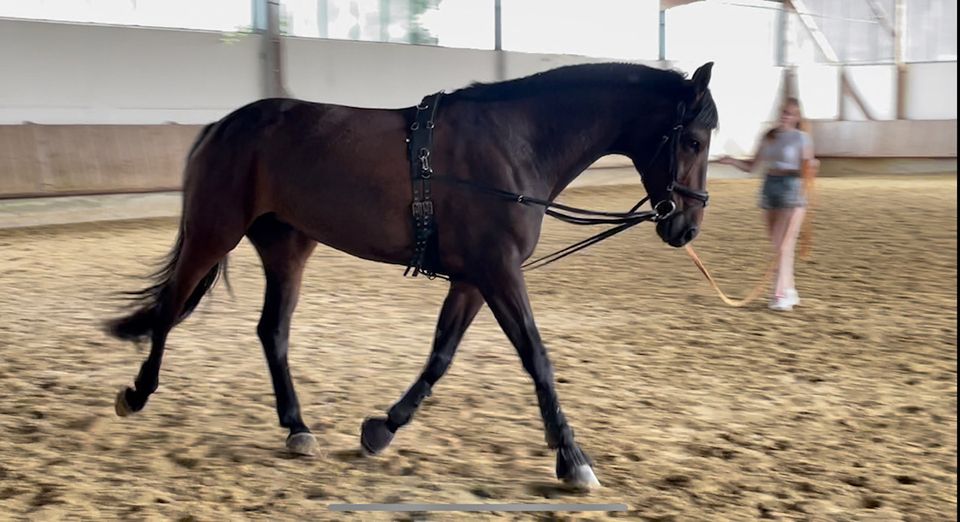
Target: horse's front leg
(506,294)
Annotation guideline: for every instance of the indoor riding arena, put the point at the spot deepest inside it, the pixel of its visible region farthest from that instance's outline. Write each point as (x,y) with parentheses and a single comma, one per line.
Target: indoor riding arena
(839,407)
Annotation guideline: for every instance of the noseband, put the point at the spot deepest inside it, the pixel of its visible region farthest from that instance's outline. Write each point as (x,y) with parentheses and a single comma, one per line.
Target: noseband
(671,141)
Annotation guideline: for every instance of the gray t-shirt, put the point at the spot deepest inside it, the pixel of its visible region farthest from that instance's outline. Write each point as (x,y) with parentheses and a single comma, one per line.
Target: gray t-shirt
(785,150)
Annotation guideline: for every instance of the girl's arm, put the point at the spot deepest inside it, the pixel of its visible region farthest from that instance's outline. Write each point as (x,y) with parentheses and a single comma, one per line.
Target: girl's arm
(746,165)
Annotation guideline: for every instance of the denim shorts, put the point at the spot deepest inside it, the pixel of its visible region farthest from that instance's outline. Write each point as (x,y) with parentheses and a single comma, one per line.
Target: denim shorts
(782,192)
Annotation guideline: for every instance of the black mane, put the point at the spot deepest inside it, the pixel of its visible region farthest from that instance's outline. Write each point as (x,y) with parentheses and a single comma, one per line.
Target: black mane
(575,76)
(615,74)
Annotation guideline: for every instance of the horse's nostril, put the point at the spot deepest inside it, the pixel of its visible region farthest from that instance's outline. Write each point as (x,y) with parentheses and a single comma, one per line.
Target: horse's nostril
(690,234)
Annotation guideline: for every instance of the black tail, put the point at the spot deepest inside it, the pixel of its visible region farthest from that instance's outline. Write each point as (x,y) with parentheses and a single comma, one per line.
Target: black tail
(139,324)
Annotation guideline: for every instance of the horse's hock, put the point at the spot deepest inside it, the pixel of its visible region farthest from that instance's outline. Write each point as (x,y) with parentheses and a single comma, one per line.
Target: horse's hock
(690,409)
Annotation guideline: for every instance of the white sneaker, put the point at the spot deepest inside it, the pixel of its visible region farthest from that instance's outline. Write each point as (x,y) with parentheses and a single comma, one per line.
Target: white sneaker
(781,304)
(792,296)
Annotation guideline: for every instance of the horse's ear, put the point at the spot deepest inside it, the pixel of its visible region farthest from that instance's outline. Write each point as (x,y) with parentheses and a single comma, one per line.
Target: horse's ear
(701,78)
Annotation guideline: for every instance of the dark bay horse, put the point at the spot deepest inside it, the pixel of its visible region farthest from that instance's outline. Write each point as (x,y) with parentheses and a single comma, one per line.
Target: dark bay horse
(289,174)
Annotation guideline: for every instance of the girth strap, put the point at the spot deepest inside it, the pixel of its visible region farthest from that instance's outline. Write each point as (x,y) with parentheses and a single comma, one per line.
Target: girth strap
(419,149)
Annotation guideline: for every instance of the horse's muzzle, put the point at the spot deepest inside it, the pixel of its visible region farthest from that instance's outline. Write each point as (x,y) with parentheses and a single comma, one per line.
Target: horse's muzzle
(677,231)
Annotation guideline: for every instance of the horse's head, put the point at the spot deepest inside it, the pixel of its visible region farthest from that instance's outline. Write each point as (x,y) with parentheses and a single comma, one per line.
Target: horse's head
(671,155)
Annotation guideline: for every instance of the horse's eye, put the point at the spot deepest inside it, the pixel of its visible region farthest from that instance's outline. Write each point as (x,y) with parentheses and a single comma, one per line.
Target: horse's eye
(693,144)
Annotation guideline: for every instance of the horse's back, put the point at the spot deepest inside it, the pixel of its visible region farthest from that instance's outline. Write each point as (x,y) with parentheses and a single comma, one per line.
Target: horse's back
(336,173)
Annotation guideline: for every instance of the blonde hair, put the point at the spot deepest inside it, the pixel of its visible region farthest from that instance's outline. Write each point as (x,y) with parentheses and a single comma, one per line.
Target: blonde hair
(802,124)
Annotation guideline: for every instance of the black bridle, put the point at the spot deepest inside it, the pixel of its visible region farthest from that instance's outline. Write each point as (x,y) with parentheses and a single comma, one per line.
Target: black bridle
(672,141)
(422,173)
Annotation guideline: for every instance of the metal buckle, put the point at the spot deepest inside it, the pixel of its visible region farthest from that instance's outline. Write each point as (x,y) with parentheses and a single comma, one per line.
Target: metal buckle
(664,209)
(422,209)
(425,162)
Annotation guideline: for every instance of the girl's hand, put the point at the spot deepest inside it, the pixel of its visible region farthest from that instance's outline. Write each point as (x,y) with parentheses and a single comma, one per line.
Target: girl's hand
(726,160)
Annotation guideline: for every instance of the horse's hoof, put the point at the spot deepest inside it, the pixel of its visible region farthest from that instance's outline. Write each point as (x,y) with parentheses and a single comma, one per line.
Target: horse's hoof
(581,478)
(121,406)
(375,436)
(303,443)
(574,468)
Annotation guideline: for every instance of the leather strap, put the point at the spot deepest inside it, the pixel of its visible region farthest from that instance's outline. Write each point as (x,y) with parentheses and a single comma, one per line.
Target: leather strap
(419,150)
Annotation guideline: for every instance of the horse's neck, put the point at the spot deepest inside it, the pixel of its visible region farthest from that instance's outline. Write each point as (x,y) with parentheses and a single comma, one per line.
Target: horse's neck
(567,136)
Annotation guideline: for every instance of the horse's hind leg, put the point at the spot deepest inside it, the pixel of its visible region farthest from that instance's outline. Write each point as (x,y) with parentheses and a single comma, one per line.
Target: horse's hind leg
(198,257)
(284,252)
(460,307)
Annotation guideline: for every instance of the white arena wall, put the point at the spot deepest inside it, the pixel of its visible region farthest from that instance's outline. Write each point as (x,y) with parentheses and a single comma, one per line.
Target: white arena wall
(94,108)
